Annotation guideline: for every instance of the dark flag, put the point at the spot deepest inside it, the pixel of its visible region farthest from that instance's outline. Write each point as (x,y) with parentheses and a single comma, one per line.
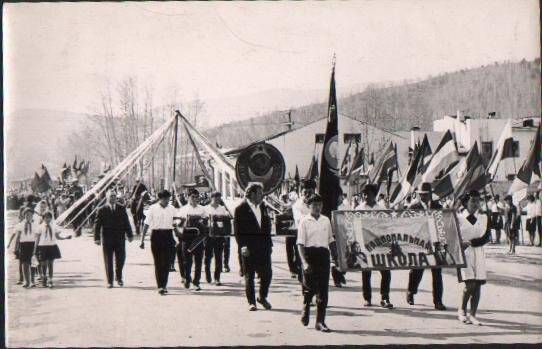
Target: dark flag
(65,173)
(74,166)
(44,175)
(312,173)
(34,184)
(531,166)
(328,185)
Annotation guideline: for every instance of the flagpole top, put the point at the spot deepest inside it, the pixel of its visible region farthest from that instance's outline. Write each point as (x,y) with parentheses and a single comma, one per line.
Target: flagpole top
(333,60)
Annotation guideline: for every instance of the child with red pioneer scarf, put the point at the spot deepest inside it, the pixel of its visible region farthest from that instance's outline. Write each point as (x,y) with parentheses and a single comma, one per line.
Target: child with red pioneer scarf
(46,248)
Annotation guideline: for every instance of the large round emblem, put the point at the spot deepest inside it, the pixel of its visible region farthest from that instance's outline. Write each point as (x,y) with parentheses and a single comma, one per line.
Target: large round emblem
(263,163)
(331,153)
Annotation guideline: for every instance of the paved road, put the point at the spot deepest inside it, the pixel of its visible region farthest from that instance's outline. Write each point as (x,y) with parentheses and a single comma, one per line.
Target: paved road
(80,311)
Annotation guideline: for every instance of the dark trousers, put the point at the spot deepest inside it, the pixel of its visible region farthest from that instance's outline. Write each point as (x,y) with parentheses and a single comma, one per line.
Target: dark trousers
(213,248)
(539,227)
(116,250)
(265,273)
(162,246)
(292,255)
(384,284)
(415,277)
(227,251)
(195,257)
(316,281)
(179,253)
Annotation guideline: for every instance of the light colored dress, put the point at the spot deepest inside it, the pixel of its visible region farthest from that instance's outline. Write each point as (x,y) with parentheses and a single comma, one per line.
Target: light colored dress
(474,255)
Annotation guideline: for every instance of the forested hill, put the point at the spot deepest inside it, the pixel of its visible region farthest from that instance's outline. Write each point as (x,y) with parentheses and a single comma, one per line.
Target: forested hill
(509,89)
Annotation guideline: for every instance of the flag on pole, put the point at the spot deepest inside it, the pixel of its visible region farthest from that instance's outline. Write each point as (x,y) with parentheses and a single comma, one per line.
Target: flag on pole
(442,161)
(387,162)
(328,185)
(467,175)
(312,173)
(74,166)
(504,150)
(530,166)
(472,176)
(357,167)
(406,184)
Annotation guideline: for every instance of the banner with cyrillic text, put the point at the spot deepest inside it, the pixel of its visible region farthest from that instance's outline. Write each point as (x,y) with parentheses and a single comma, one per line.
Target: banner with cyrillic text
(385,239)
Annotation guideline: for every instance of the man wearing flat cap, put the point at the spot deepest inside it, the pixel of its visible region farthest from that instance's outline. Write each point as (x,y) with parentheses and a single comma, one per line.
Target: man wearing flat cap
(252,226)
(415,275)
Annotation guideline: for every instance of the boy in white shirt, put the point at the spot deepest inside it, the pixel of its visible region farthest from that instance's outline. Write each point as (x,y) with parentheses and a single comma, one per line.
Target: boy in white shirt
(314,238)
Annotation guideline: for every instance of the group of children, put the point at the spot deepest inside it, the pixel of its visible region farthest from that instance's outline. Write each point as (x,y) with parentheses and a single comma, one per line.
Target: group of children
(36,245)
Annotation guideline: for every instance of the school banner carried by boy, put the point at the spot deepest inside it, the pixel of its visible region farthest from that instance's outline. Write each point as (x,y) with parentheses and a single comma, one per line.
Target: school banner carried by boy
(377,240)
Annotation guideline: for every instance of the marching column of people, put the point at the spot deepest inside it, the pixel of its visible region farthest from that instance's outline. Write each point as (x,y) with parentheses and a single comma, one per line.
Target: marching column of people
(202,231)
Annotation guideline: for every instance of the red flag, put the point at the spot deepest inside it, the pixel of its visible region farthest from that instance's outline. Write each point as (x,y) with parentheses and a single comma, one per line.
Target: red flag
(328,185)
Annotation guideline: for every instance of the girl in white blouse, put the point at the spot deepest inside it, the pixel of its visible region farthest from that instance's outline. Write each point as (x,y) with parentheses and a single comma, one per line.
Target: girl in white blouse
(46,248)
(25,238)
(475,233)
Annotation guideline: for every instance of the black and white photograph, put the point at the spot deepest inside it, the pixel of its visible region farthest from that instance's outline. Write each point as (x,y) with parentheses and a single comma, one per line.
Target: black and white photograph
(272,174)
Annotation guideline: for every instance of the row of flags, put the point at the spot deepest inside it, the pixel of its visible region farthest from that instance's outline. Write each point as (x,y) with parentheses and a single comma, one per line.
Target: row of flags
(69,173)
(450,175)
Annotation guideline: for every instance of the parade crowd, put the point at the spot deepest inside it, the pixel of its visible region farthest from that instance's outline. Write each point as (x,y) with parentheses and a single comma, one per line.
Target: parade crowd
(195,229)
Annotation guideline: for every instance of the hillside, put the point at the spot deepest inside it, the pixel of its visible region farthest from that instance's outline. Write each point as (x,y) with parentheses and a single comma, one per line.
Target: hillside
(509,89)
(35,136)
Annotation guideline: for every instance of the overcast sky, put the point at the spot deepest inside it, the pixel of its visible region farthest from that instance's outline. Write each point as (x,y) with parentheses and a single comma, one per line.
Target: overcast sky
(58,56)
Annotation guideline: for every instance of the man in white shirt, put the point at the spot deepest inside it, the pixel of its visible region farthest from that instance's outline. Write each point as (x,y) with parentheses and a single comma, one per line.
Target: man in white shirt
(299,209)
(160,220)
(194,220)
(314,239)
(220,225)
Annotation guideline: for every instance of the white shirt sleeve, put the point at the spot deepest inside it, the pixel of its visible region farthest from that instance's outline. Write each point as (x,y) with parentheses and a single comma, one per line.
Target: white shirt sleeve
(301,233)
(149,217)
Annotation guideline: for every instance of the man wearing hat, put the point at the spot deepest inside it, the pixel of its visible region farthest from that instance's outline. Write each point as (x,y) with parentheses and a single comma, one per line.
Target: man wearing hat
(111,228)
(415,275)
(368,203)
(252,226)
(160,220)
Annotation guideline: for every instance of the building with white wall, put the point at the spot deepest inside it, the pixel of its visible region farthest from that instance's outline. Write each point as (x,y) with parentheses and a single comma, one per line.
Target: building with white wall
(486,133)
